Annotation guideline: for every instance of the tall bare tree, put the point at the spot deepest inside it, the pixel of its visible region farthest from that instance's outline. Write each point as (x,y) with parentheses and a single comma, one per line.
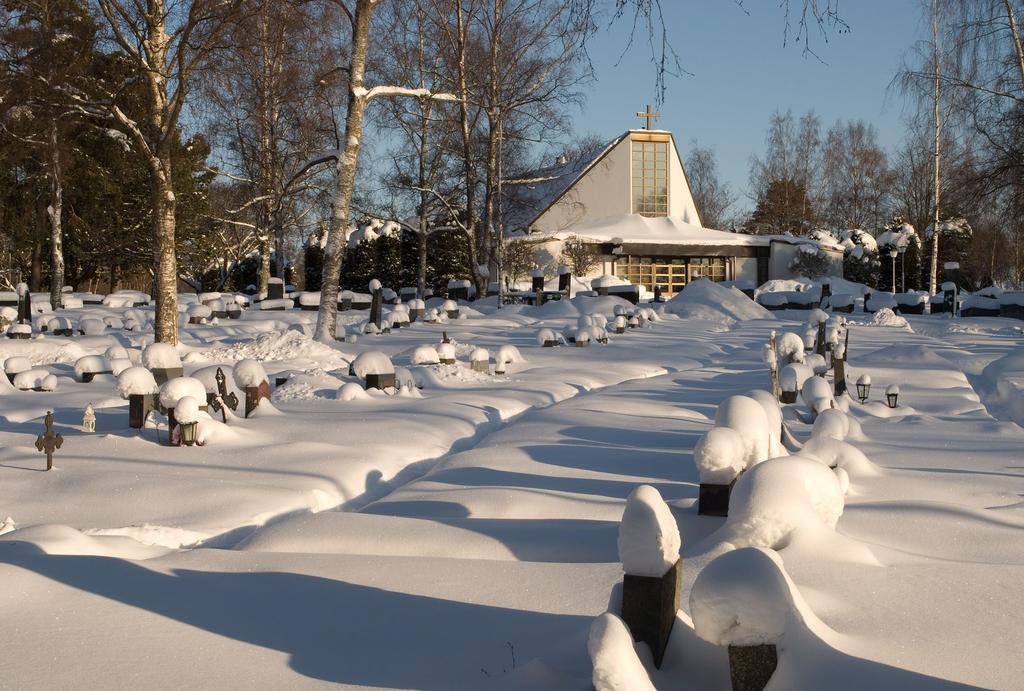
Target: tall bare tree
(167,43)
(710,194)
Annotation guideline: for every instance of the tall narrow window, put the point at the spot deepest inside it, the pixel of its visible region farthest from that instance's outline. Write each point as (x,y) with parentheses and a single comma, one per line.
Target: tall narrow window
(650,178)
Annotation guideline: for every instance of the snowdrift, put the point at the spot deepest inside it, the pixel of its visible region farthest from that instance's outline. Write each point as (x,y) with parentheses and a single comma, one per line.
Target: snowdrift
(705,299)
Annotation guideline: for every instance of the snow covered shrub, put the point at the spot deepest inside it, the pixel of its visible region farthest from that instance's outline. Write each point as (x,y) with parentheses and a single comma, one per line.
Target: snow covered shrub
(649,541)
(860,256)
(810,261)
(91,326)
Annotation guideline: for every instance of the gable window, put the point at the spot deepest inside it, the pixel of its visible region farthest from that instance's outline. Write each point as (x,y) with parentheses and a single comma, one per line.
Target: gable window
(650,177)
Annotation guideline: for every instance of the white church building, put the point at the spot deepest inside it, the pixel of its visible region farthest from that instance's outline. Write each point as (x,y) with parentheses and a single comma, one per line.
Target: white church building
(631,199)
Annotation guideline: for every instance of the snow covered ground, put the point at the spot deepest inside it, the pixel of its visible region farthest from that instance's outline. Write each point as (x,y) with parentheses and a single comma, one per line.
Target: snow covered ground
(466,537)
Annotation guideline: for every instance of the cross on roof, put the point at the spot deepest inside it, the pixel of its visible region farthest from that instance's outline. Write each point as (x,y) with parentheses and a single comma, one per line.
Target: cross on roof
(649,115)
(49,441)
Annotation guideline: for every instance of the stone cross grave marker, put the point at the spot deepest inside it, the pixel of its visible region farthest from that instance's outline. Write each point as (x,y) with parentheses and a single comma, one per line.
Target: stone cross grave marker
(48,442)
(223,398)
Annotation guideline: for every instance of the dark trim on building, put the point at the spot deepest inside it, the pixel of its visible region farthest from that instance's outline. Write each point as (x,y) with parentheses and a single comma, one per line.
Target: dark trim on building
(647,249)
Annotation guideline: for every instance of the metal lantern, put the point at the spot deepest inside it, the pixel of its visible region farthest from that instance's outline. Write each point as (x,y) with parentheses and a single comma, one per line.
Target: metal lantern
(863,388)
(892,394)
(188,432)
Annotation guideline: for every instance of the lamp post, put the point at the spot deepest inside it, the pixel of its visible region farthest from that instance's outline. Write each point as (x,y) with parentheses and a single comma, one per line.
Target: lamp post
(863,387)
(892,394)
(903,269)
(892,254)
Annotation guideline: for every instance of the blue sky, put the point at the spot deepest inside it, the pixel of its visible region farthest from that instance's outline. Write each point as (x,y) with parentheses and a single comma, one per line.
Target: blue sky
(741,73)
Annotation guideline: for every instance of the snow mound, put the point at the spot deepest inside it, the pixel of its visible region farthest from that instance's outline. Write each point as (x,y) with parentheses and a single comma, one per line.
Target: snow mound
(886,317)
(554,309)
(180,387)
(424,355)
(616,665)
(772,411)
(649,539)
(372,362)
(790,348)
(839,454)
(136,380)
(705,299)
(249,373)
(350,391)
(720,456)
(160,355)
(62,539)
(779,496)
(746,416)
(275,346)
(91,364)
(831,423)
(16,364)
(744,597)
(792,377)
(509,354)
(187,410)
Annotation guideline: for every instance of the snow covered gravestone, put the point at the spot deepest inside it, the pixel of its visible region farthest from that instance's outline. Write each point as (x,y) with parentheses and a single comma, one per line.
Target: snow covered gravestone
(377,303)
(138,385)
(375,368)
(250,375)
(163,361)
(720,456)
(275,289)
(743,599)
(564,280)
(649,546)
(171,393)
(479,361)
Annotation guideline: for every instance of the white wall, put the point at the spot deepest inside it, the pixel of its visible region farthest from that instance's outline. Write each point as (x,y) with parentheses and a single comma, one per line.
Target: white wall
(746,269)
(680,200)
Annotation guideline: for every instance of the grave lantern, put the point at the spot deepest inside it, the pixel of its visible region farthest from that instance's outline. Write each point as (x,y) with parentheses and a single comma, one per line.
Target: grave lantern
(892,394)
(863,387)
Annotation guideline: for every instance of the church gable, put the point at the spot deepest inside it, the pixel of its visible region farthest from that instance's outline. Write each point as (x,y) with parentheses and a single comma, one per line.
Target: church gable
(639,172)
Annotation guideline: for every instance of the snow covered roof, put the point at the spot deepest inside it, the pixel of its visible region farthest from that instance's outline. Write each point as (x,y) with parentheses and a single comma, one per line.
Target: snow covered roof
(529,195)
(669,230)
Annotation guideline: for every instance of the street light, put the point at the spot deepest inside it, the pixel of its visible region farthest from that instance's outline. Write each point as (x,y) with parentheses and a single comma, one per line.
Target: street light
(892,394)
(863,387)
(892,254)
(903,269)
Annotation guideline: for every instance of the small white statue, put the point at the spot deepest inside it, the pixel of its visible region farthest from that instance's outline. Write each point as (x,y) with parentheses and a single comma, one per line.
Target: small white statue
(89,419)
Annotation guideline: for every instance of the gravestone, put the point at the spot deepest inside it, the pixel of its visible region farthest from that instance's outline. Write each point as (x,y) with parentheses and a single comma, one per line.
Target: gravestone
(649,606)
(139,406)
(377,307)
(751,666)
(275,291)
(713,500)
(380,381)
(254,394)
(48,441)
(222,399)
(564,281)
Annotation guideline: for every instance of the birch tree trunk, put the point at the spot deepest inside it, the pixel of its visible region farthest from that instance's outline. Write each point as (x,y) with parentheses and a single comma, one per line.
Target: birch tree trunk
(54,212)
(469,169)
(934,269)
(327,316)
(164,253)
(1018,48)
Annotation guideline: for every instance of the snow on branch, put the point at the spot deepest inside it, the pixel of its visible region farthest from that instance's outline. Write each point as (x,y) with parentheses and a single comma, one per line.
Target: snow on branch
(378,91)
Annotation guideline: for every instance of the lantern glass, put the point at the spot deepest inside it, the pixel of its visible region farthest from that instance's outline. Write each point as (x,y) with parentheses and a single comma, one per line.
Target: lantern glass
(863,390)
(188,433)
(892,397)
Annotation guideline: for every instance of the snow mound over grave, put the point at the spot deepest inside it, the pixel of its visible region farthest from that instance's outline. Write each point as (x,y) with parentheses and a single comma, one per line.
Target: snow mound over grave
(616,665)
(61,539)
(249,373)
(136,380)
(744,597)
(553,309)
(275,346)
(747,416)
(1003,382)
(705,299)
(649,539)
(886,317)
(720,456)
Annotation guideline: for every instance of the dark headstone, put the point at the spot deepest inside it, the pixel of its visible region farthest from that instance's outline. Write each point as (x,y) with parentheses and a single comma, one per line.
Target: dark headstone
(751,666)
(275,291)
(88,376)
(649,607)
(819,341)
(480,366)
(25,309)
(164,374)
(538,285)
(657,293)
(254,394)
(380,381)
(139,406)
(564,281)
(713,500)
(376,307)
(787,397)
